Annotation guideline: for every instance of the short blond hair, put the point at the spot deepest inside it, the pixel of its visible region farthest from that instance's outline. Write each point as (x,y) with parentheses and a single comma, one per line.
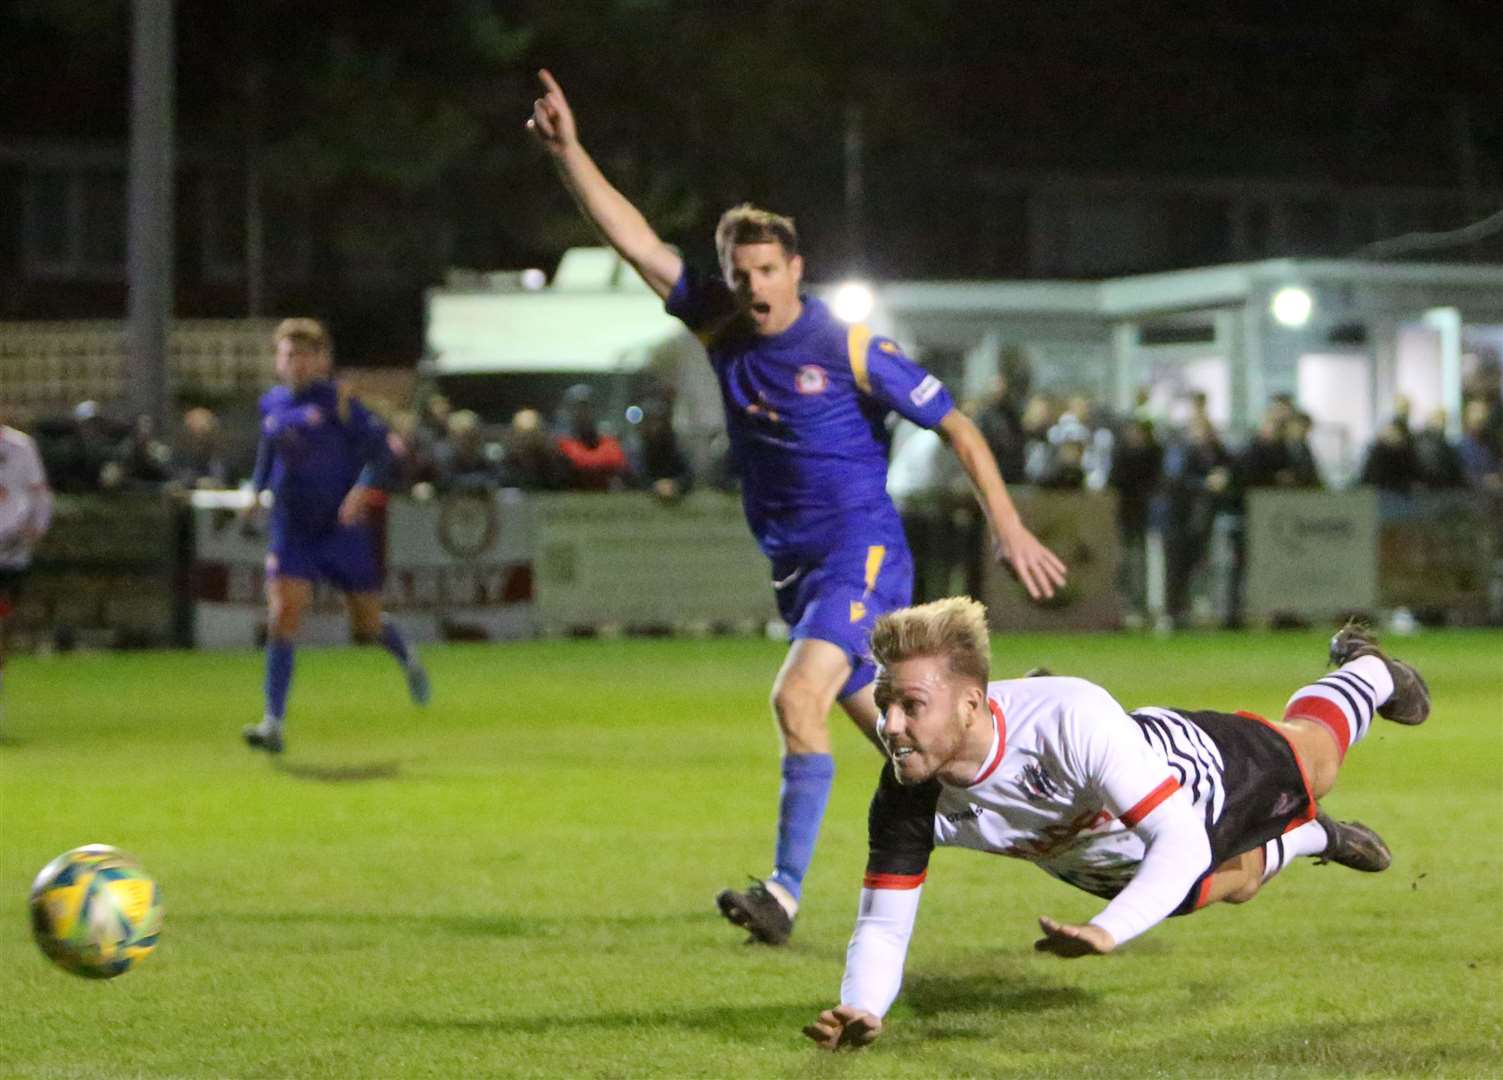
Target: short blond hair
(748,224)
(954,628)
(304,331)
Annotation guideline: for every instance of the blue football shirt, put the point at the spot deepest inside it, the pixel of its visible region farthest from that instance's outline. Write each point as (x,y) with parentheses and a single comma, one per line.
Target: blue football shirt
(805,411)
(310,456)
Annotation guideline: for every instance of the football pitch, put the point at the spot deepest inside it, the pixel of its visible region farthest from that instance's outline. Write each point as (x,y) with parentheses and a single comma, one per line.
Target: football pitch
(517,881)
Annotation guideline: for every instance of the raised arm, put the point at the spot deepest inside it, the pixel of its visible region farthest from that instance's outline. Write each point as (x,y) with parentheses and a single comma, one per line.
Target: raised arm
(622,224)
(1039,569)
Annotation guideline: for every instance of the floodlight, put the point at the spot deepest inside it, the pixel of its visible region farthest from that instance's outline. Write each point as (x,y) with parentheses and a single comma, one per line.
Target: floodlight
(1292,306)
(853,301)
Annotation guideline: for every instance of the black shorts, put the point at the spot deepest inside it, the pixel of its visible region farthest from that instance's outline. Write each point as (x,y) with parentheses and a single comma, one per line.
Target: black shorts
(1267,792)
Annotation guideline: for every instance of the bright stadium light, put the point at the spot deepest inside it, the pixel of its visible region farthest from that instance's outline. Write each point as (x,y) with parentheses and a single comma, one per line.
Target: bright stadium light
(1292,306)
(853,301)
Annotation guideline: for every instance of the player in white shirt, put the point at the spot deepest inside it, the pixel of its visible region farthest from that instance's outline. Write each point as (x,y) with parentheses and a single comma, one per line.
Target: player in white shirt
(1160,812)
(25,513)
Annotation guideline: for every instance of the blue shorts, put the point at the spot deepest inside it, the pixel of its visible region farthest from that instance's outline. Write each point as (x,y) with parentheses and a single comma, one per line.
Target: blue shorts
(838,598)
(344,556)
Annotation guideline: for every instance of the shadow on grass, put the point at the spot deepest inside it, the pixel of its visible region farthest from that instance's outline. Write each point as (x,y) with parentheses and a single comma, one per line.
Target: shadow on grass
(339,774)
(740,1023)
(929,996)
(475,925)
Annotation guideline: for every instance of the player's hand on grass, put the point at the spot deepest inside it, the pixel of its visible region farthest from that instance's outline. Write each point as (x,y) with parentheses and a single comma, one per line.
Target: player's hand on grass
(356,504)
(1039,569)
(844,1025)
(552,119)
(1068,941)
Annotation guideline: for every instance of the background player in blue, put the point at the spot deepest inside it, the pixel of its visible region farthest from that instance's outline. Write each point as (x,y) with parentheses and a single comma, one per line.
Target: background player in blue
(322,455)
(805,400)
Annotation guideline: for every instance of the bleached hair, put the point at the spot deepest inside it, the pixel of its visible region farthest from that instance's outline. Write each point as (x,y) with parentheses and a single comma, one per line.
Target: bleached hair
(304,331)
(954,628)
(748,224)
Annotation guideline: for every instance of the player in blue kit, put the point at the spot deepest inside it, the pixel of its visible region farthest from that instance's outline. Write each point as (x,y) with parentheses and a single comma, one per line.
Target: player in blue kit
(323,456)
(806,397)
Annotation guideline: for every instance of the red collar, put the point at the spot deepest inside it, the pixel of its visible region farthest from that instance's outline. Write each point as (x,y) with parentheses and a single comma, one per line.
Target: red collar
(999,744)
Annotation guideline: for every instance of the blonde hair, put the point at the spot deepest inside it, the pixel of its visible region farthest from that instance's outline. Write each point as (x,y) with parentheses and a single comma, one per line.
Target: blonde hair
(304,331)
(954,628)
(748,224)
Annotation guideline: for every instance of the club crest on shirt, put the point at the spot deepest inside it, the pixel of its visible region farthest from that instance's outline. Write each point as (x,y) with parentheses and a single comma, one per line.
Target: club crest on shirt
(1037,784)
(313,415)
(811,379)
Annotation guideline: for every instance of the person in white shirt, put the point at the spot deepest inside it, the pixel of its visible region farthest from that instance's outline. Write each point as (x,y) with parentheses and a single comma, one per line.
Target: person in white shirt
(25,513)
(1160,812)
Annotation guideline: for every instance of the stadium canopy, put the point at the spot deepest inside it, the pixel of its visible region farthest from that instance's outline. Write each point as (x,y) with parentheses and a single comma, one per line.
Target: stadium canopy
(595,317)
(1343,338)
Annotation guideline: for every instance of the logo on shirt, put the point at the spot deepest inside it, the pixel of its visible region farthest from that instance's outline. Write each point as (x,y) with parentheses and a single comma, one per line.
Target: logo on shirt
(970,813)
(313,415)
(924,392)
(811,379)
(1037,784)
(1285,803)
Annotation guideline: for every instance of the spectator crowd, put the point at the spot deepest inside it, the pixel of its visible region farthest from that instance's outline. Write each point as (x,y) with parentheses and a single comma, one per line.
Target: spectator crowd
(1177,482)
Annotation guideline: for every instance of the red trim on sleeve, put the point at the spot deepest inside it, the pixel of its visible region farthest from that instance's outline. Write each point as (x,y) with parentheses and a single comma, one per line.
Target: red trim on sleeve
(1204,892)
(894,881)
(1148,803)
(1327,714)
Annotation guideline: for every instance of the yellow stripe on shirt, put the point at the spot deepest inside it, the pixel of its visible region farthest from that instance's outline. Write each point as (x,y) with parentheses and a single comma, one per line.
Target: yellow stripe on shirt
(857,342)
(874,556)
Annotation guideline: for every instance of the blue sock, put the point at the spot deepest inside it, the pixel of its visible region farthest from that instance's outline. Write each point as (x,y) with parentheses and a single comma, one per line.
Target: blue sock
(392,641)
(801,807)
(278,677)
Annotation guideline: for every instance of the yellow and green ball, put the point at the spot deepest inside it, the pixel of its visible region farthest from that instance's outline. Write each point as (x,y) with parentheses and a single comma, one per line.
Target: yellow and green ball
(95,912)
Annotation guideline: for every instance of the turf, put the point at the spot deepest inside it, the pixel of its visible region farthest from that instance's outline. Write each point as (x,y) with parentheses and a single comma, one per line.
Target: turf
(518,880)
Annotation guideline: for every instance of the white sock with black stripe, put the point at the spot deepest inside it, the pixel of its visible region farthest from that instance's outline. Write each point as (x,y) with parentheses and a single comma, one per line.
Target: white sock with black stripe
(1309,839)
(1344,701)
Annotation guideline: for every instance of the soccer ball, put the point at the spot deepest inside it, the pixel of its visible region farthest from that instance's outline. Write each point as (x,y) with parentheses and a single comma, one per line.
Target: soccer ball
(95,912)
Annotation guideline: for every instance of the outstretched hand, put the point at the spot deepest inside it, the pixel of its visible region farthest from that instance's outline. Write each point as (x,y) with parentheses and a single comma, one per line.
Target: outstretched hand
(552,120)
(1071,941)
(844,1025)
(1039,569)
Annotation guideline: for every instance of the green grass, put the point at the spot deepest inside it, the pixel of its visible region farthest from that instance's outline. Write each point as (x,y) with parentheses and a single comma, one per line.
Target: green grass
(517,881)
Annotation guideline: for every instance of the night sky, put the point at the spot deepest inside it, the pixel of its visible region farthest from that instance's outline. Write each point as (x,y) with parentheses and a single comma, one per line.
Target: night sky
(398,132)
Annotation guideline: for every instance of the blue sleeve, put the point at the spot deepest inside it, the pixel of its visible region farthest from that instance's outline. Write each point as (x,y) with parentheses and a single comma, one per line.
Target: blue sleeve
(701,302)
(904,387)
(369,438)
(261,474)
(265,452)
